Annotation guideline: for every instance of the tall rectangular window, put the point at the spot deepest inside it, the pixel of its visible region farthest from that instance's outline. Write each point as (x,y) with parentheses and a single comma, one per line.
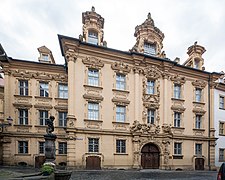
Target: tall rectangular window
(23,147)
(221,155)
(93,37)
(150,87)
(93,77)
(93,111)
(151,116)
(120,82)
(221,105)
(62,148)
(63,91)
(120,146)
(177,91)
(221,128)
(23,116)
(198,121)
(93,145)
(177,119)
(41,147)
(177,148)
(149,48)
(44,92)
(198,149)
(62,118)
(23,87)
(120,113)
(198,95)
(43,116)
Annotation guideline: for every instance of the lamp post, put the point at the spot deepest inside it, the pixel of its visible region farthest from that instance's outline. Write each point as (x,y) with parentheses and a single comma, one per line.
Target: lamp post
(4,124)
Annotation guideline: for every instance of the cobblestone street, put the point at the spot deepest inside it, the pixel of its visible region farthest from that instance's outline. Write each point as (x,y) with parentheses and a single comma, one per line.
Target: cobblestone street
(143,175)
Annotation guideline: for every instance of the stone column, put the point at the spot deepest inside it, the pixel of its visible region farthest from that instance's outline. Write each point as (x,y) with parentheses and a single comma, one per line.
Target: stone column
(71,57)
(136,158)
(136,94)
(165,99)
(7,92)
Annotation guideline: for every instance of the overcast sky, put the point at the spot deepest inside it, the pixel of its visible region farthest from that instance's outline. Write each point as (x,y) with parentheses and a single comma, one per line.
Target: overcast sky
(26,25)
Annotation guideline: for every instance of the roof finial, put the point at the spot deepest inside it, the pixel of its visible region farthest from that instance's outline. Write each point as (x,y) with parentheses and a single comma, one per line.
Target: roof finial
(93,9)
(149,15)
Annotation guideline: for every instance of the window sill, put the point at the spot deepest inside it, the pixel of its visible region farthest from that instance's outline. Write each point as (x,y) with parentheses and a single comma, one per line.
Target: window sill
(58,98)
(22,154)
(22,125)
(61,155)
(120,90)
(182,128)
(125,123)
(22,96)
(41,126)
(93,120)
(196,129)
(91,86)
(196,102)
(221,134)
(176,99)
(222,108)
(121,154)
(42,97)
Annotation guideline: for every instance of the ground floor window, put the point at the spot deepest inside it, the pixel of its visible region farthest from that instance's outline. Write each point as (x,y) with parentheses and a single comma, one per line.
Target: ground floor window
(93,145)
(62,148)
(23,147)
(120,146)
(221,155)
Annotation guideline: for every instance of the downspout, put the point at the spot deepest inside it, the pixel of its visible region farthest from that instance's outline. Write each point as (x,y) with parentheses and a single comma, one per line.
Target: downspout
(209,114)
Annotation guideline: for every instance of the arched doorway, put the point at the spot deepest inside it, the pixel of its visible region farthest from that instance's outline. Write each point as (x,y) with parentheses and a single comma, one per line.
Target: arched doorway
(150,156)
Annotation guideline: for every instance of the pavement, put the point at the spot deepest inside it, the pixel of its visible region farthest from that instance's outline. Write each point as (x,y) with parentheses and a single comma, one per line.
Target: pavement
(7,172)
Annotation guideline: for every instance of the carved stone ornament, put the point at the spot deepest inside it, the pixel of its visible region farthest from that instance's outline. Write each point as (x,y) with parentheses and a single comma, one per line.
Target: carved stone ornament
(152,72)
(178,79)
(71,55)
(137,70)
(120,101)
(93,62)
(157,85)
(93,97)
(149,129)
(199,84)
(178,108)
(166,129)
(199,111)
(21,73)
(71,122)
(120,67)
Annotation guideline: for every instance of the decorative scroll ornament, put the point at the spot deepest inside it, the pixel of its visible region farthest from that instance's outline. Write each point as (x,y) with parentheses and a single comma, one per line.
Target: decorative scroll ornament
(93,62)
(71,55)
(167,129)
(149,129)
(199,84)
(178,79)
(152,72)
(120,67)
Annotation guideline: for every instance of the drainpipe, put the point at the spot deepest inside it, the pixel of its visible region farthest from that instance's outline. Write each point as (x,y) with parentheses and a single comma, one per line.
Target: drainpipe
(209,113)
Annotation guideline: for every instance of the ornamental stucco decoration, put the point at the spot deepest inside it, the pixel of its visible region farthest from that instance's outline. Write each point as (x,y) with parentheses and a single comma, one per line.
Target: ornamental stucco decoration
(199,111)
(199,84)
(148,129)
(152,72)
(166,129)
(71,55)
(178,108)
(93,62)
(120,67)
(178,79)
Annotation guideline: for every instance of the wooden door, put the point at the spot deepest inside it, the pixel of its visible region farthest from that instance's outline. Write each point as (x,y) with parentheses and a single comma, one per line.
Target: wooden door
(93,163)
(150,157)
(199,164)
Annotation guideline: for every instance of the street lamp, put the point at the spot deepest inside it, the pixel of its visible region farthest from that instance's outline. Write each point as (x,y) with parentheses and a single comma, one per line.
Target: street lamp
(4,124)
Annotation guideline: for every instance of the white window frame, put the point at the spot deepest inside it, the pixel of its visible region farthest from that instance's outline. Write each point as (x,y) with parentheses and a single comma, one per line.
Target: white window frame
(23,87)
(43,116)
(150,86)
(23,147)
(177,148)
(23,116)
(198,149)
(221,102)
(149,48)
(93,111)
(92,37)
(93,145)
(120,146)
(198,95)
(62,148)
(63,91)
(93,77)
(41,147)
(44,89)
(120,81)
(198,121)
(120,113)
(151,113)
(177,91)
(177,119)
(62,119)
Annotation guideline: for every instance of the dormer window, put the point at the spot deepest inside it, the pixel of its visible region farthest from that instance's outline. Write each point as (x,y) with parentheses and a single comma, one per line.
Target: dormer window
(45,57)
(196,64)
(93,37)
(149,48)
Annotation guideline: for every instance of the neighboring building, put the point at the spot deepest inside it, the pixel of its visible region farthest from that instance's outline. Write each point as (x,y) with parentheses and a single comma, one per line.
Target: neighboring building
(219,121)
(135,109)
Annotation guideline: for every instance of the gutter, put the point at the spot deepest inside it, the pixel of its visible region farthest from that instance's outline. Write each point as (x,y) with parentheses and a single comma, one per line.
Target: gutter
(209,113)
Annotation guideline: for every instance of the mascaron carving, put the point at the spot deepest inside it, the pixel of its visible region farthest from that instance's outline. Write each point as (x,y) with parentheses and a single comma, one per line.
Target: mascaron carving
(152,72)
(71,55)
(178,79)
(120,67)
(150,129)
(199,84)
(93,62)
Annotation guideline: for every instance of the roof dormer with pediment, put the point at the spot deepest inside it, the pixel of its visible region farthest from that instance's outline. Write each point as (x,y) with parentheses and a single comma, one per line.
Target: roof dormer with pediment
(45,55)
(148,38)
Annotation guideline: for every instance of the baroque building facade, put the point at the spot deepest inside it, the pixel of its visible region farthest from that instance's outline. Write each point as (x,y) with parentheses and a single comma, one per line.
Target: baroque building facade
(113,109)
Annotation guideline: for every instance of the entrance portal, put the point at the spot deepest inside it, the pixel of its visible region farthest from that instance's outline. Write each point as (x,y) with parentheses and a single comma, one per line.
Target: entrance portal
(93,163)
(199,164)
(150,156)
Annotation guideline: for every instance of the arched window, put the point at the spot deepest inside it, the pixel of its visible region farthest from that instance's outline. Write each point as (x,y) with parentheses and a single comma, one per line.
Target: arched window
(149,48)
